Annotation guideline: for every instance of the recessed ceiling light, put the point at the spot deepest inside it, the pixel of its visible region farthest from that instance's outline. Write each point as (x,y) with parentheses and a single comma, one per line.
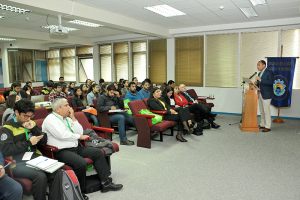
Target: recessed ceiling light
(165,10)
(1,17)
(84,23)
(55,26)
(258,2)
(7,39)
(249,12)
(13,9)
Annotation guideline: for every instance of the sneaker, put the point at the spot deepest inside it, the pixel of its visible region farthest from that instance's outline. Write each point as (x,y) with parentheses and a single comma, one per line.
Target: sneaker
(127,142)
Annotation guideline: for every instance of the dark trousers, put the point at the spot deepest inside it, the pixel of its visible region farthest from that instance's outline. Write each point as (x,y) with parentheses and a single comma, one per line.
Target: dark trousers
(74,157)
(38,178)
(200,111)
(10,189)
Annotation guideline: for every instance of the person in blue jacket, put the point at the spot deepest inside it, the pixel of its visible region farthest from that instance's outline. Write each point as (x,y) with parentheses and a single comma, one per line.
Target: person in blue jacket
(132,94)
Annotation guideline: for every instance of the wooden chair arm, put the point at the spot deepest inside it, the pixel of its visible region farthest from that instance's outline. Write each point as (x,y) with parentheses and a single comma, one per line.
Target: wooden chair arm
(145,115)
(103,129)
(160,112)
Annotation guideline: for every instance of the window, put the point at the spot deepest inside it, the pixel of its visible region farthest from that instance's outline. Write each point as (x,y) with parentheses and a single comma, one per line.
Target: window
(222,60)
(255,47)
(20,64)
(85,63)
(291,48)
(139,60)
(158,60)
(105,62)
(53,64)
(68,64)
(189,60)
(121,60)
(40,66)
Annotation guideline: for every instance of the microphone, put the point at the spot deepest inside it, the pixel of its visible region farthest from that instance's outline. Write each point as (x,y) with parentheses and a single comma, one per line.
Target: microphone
(253,75)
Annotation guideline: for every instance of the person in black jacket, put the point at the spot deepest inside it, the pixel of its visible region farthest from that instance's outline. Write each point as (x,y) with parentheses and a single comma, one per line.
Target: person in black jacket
(78,104)
(111,101)
(156,102)
(20,136)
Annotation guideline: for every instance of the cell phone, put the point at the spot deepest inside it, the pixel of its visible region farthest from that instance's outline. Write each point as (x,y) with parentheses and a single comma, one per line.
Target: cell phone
(7,165)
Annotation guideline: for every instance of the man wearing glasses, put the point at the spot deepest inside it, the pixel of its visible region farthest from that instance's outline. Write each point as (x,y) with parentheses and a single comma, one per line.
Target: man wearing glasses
(19,138)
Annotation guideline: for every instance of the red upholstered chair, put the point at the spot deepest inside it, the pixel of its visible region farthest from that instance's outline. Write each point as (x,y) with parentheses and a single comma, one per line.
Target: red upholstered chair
(201,99)
(40,113)
(46,97)
(144,124)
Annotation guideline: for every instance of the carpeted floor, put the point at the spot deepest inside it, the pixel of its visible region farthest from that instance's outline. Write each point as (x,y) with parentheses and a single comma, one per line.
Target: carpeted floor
(223,164)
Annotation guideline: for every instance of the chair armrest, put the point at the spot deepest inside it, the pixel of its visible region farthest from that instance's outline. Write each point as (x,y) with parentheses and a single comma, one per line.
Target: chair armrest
(160,112)
(103,129)
(48,150)
(144,115)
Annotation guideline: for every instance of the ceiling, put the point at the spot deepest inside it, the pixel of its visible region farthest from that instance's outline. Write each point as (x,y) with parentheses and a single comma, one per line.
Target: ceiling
(130,17)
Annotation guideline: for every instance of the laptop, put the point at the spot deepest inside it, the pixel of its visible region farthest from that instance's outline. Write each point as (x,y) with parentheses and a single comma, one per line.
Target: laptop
(38,98)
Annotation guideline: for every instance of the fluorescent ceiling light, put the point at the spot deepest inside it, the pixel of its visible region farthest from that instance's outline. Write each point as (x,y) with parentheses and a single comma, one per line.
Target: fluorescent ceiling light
(7,39)
(258,2)
(165,10)
(14,9)
(55,26)
(83,23)
(1,17)
(249,12)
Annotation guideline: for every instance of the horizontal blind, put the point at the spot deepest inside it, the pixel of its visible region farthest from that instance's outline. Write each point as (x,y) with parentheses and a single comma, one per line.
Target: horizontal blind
(121,60)
(105,62)
(139,60)
(291,48)
(68,52)
(40,55)
(189,60)
(158,60)
(255,47)
(222,60)
(84,50)
(54,69)
(54,53)
(86,69)
(69,69)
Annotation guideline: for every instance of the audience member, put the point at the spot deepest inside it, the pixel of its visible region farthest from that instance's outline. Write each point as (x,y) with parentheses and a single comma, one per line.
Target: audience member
(15,88)
(19,136)
(132,94)
(135,80)
(88,82)
(125,87)
(71,88)
(101,82)
(109,101)
(9,188)
(9,111)
(48,88)
(79,104)
(155,102)
(93,94)
(64,131)
(57,92)
(26,92)
(61,80)
(145,91)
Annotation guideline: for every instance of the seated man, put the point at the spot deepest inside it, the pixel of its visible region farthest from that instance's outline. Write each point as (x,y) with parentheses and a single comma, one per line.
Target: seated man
(132,94)
(145,91)
(109,101)
(9,189)
(197,108)
(64,131)
(20,136)
(57,92)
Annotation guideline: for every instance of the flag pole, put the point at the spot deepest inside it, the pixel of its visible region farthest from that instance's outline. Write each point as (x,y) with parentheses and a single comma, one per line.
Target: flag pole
(278,119)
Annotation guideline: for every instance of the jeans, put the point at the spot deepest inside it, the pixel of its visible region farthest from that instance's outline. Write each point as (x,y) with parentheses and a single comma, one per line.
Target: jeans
(93,118)
(10,189)
(122,119)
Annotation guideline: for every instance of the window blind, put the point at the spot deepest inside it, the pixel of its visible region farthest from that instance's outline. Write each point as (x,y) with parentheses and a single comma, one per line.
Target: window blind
(158,60)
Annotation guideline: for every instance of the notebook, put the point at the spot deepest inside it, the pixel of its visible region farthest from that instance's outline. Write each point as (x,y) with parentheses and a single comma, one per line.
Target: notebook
(45,164)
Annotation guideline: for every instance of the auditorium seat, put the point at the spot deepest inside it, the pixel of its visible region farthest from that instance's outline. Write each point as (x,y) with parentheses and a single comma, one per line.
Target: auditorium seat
(146,130)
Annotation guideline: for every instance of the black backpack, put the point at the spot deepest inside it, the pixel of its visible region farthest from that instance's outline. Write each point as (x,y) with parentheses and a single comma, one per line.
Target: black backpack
(65,186)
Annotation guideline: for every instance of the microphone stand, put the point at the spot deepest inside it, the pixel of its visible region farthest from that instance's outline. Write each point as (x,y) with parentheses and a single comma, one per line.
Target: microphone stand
(243,92)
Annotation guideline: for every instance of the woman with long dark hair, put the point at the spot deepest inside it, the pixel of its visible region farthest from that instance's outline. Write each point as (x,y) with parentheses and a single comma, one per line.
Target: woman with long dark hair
(156,102)
(93,93)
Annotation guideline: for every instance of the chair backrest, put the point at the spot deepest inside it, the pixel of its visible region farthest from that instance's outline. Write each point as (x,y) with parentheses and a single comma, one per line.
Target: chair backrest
(40,113)
(146,101)
(95,102)
(136,106)
(69,99)
(192,93)
(46,97)
(83,120)
(39,122)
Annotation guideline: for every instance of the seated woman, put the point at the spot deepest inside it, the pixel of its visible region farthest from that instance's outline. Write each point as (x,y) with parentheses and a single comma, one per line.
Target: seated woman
(9,112)
(93,93)
(79,104)
(199,110)
(156,102)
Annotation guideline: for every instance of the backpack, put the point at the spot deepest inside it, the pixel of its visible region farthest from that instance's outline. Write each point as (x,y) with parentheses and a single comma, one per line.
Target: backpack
(65,186)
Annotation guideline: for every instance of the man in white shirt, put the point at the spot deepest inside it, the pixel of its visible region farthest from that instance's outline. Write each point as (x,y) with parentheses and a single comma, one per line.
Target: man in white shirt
(64,131)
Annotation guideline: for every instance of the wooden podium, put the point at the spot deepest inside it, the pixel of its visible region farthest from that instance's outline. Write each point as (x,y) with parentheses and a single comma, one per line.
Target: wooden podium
(249,114)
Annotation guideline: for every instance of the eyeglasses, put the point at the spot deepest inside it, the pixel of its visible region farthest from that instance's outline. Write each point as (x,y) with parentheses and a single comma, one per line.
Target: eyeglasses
(27,116)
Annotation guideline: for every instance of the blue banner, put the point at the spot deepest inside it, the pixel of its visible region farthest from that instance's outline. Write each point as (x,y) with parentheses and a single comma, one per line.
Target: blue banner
(283,69)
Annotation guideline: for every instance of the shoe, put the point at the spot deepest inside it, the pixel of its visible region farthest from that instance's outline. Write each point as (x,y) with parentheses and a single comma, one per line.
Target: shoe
(261,127)
(188,132)
(110,186)
(85,197)
(197,133)
(127,142)
(180,138)
(192,125)
(214,125)
(266,130)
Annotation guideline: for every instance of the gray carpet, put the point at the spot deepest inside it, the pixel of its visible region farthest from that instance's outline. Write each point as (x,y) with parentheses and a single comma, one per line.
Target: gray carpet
(223,164)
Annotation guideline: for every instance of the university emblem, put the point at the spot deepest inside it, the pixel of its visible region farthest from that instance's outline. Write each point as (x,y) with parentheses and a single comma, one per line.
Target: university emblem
(279,87)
